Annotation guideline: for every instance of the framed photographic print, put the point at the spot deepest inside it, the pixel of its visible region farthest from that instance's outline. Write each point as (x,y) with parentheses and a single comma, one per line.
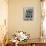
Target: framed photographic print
(28,13)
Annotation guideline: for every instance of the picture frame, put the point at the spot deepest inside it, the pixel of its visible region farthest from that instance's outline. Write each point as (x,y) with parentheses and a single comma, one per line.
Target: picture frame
(28,13)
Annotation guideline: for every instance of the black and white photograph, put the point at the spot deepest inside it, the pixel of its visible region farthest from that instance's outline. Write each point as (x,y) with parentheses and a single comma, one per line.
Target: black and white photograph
(28,13)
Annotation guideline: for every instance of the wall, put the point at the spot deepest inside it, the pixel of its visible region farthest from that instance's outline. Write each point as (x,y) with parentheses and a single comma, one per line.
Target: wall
(16,21)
